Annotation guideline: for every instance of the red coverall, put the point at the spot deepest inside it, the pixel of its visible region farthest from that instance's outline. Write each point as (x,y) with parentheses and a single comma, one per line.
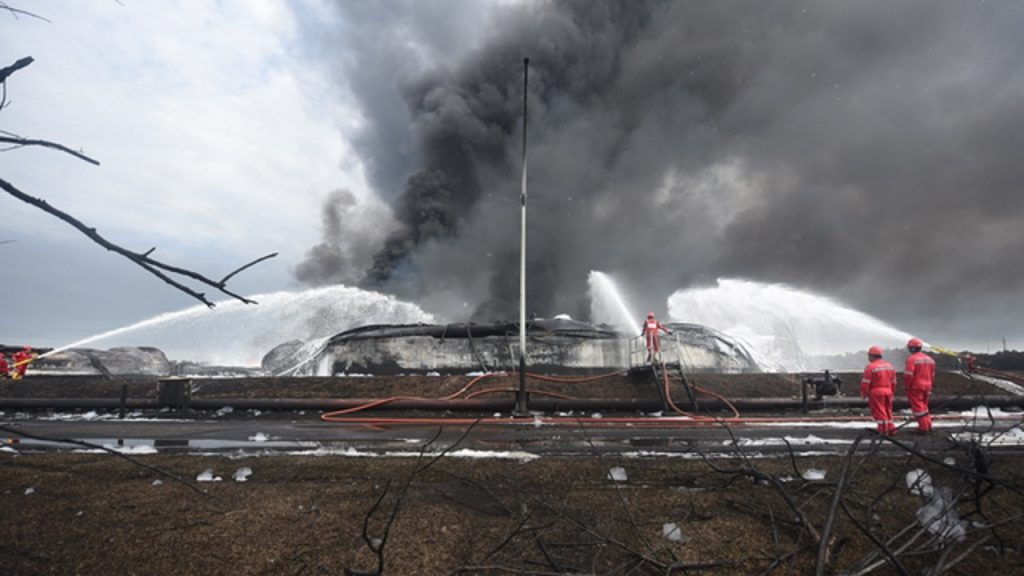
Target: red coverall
(4,370)
(918,377)
(651,327)
(877,385)
(20,363)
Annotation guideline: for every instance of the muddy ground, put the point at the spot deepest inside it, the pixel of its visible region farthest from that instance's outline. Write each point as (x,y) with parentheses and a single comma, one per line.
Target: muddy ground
(98,514)
(70,513)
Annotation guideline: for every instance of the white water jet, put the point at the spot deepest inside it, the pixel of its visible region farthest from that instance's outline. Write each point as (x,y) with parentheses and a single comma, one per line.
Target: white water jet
(786,329)
(238,334)
(607,305)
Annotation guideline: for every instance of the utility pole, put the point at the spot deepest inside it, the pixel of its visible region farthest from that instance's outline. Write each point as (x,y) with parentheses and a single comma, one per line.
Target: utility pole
(521,400)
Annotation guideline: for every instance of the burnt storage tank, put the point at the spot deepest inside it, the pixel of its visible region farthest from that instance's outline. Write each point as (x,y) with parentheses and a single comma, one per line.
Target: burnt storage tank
(553,345)
(703,349)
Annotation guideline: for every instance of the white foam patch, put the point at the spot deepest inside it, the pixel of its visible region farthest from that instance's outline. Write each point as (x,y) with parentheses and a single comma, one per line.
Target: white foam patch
(135,449)
(986,413)
(351,452)
(809,440)
(650,454)
(1011,437)
(93,416)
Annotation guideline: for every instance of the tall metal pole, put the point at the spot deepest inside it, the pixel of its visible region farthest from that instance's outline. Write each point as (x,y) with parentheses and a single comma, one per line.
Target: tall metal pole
(521,401)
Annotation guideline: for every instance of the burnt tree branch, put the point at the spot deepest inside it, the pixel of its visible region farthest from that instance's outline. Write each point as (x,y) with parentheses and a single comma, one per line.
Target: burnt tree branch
(142,259)
(16,11)
(18,65)
(19,142)
(377,547)
(160,269)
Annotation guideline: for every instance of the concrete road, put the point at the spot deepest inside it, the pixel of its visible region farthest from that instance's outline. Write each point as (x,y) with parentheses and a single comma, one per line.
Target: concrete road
(290,433)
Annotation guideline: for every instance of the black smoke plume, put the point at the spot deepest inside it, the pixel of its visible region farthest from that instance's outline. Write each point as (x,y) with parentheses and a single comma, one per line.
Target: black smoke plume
(870,150)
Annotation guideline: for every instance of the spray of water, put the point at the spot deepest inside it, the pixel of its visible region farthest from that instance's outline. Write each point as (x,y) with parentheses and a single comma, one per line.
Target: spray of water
(237,334)
(786,329)
(607,305)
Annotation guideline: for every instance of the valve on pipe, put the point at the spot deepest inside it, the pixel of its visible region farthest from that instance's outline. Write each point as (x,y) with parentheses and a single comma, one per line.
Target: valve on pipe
(827,385)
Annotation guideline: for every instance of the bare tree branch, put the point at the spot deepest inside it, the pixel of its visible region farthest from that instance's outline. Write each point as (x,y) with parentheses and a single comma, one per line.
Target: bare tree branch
(18,142)
(378,546)
(142,259)
(18,65)
(16,11)
(161,270)
(7,71)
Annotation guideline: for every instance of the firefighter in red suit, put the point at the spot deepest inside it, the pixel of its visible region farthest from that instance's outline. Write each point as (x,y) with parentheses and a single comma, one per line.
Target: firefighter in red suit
(650,332)
(917,378)
(4,370)
(877,386)
(21,361)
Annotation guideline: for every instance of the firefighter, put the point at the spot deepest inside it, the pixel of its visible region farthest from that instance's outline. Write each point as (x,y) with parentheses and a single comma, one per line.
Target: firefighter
(4,370)
(653,339)
(918,377)
(877,386)
(21,361)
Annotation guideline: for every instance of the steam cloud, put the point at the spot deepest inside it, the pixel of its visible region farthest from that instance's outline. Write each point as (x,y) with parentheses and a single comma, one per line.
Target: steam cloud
(870,150)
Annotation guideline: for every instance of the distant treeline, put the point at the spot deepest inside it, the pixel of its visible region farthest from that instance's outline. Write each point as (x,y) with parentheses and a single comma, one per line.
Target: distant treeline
(1009,360)
(1003,360)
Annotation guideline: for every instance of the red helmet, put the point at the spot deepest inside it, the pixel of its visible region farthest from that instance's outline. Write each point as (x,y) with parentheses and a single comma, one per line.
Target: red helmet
(915,343)
(650,314)
(875,351)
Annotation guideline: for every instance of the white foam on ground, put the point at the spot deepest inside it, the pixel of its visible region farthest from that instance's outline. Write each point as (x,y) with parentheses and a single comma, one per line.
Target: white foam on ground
(93,416)
(645,454)
(809,440)
(814,474)
(135,449)
(349,451)
(1011,437)
(987,413)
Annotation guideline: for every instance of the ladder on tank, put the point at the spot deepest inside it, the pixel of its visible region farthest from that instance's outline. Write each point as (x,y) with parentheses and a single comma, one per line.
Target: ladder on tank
(663,372)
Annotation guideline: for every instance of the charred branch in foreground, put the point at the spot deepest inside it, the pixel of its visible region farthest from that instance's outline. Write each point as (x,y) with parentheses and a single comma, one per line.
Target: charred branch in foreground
(377,545)
(7,71)
(161,270)
(158,268)
(16,141)
(15,12)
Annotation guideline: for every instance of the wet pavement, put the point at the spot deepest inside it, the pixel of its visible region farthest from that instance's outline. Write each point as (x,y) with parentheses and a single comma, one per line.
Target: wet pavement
(532,437)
